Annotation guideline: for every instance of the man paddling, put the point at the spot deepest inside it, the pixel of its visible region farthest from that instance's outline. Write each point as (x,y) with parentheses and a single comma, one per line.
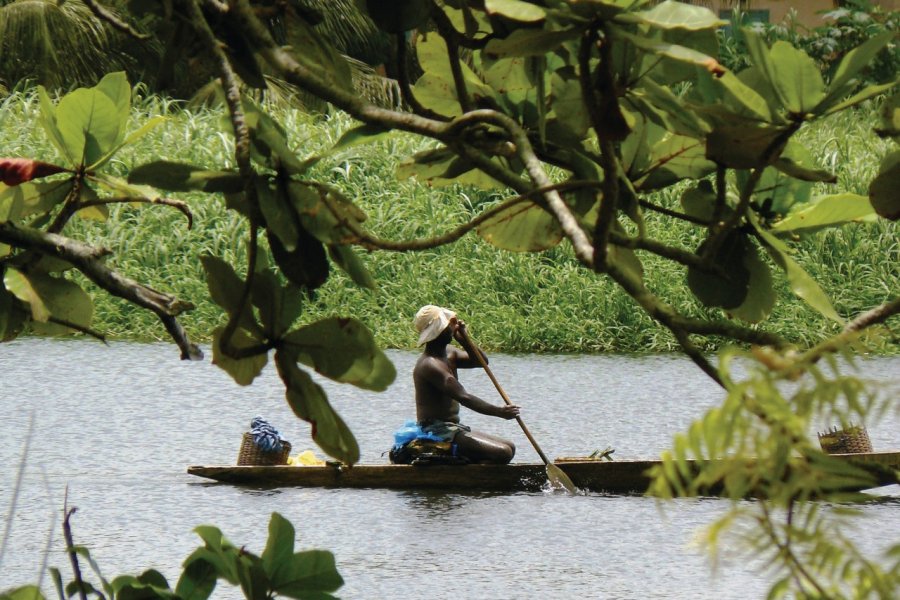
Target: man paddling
(439,393)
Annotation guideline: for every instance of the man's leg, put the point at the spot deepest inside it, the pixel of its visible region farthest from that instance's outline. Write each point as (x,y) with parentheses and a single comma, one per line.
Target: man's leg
(484,448)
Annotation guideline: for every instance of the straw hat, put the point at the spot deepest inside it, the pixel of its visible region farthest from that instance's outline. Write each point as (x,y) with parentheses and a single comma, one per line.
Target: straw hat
(431,320)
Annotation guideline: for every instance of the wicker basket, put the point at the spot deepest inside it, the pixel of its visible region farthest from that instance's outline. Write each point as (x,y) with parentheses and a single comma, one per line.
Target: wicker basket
(851,440)
(251,454)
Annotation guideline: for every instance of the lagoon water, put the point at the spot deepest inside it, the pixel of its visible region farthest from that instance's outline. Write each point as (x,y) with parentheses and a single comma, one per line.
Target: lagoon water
(116,426)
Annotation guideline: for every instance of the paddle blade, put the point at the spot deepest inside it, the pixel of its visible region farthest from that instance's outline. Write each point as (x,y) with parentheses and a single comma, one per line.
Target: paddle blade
(559,479)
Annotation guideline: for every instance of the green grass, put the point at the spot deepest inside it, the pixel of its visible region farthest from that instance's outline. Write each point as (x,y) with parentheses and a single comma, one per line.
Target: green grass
(514,302)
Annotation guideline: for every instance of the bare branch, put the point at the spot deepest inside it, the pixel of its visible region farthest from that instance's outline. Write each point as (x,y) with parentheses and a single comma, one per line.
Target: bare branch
(672,213)
(77,327)
(87,260)
(445,28)
(231,86)
(370,242)
(176,204)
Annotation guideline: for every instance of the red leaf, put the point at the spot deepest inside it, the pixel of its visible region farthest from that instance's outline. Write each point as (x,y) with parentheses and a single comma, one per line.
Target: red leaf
(14,171)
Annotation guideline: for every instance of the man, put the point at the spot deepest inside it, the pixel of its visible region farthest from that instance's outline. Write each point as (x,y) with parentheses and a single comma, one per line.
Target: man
(439,393)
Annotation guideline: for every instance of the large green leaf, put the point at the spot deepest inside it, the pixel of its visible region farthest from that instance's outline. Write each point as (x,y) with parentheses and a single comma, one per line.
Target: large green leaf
(361,134)
(514,84)
(48,121)
(342,349)
(777,192)
(436,89)
(827,211)
(759,52)
(115,86)
(12,317)
(530,42)
(87,121)
(699,201)
(309,402)
(742,99)
(761,295)
(344,257)
(567,105)
(523,227)
(866,93)
(675,15)
(797,78)
(44,294)
(741,146)
(883,191)
(279,549)
(307,265)
(180,177)
(844,79)
(311,574)
(242,370)
(668,110)
(276,208)
(325,212)
(225,289)
(666,49)
(524,12)
(197,581)
(120,187)
(804,286)
(675,158)
(270,139)
(279,306)
(729,288)
(437,92)
(26,592)
(22,201)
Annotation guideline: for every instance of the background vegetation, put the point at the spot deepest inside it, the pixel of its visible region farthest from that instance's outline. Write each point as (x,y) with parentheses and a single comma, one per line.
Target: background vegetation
(515,302)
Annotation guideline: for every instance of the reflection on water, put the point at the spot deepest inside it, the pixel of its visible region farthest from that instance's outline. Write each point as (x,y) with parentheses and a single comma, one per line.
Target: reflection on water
(118,426)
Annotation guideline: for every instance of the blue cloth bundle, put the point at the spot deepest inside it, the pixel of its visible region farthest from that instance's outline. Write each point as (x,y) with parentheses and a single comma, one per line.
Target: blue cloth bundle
(413,431)
(265,436)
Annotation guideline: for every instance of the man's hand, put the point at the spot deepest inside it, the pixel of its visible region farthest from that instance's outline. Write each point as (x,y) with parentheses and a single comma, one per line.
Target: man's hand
(508,411)
(459,330)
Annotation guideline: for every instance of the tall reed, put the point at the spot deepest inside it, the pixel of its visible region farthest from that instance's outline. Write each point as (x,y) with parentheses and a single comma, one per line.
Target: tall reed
(516,302)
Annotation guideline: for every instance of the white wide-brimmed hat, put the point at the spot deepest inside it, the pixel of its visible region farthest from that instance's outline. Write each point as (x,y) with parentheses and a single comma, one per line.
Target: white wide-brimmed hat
(431,320)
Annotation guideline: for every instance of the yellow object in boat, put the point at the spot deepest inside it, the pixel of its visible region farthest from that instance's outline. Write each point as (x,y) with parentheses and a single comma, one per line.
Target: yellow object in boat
(305,459)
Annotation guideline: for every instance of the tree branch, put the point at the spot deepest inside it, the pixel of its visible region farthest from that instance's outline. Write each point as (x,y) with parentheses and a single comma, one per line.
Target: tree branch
(445,28)
(104,14)
(176,204)
(370,242)
(404,83)
(87,260)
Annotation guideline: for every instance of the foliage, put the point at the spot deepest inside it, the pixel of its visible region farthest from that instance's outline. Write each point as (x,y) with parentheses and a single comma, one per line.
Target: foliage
(56,44)
(586,87)
(768,415)
(845,28)
(277,572)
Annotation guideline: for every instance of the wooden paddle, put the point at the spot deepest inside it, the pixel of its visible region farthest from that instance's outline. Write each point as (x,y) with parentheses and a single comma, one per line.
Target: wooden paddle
(557,477)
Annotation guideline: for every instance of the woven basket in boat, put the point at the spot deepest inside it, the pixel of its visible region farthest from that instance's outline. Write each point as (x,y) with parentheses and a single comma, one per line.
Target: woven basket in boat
(851,440)
(251,454)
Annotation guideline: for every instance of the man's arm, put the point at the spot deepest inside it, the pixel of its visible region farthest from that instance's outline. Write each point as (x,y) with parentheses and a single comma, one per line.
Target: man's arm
(467,359)
(443,379)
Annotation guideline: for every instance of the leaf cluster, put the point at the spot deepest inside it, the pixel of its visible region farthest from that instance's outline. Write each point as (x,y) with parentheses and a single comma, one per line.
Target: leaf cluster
(278,572)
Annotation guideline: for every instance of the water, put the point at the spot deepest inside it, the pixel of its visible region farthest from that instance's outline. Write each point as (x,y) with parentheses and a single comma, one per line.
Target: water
(117,426)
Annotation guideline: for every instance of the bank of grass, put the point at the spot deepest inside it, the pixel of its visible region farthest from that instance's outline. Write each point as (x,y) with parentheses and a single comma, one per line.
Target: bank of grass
(514,302)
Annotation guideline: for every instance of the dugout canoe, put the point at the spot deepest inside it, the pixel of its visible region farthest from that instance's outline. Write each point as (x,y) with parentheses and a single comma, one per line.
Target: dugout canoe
(618,476)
